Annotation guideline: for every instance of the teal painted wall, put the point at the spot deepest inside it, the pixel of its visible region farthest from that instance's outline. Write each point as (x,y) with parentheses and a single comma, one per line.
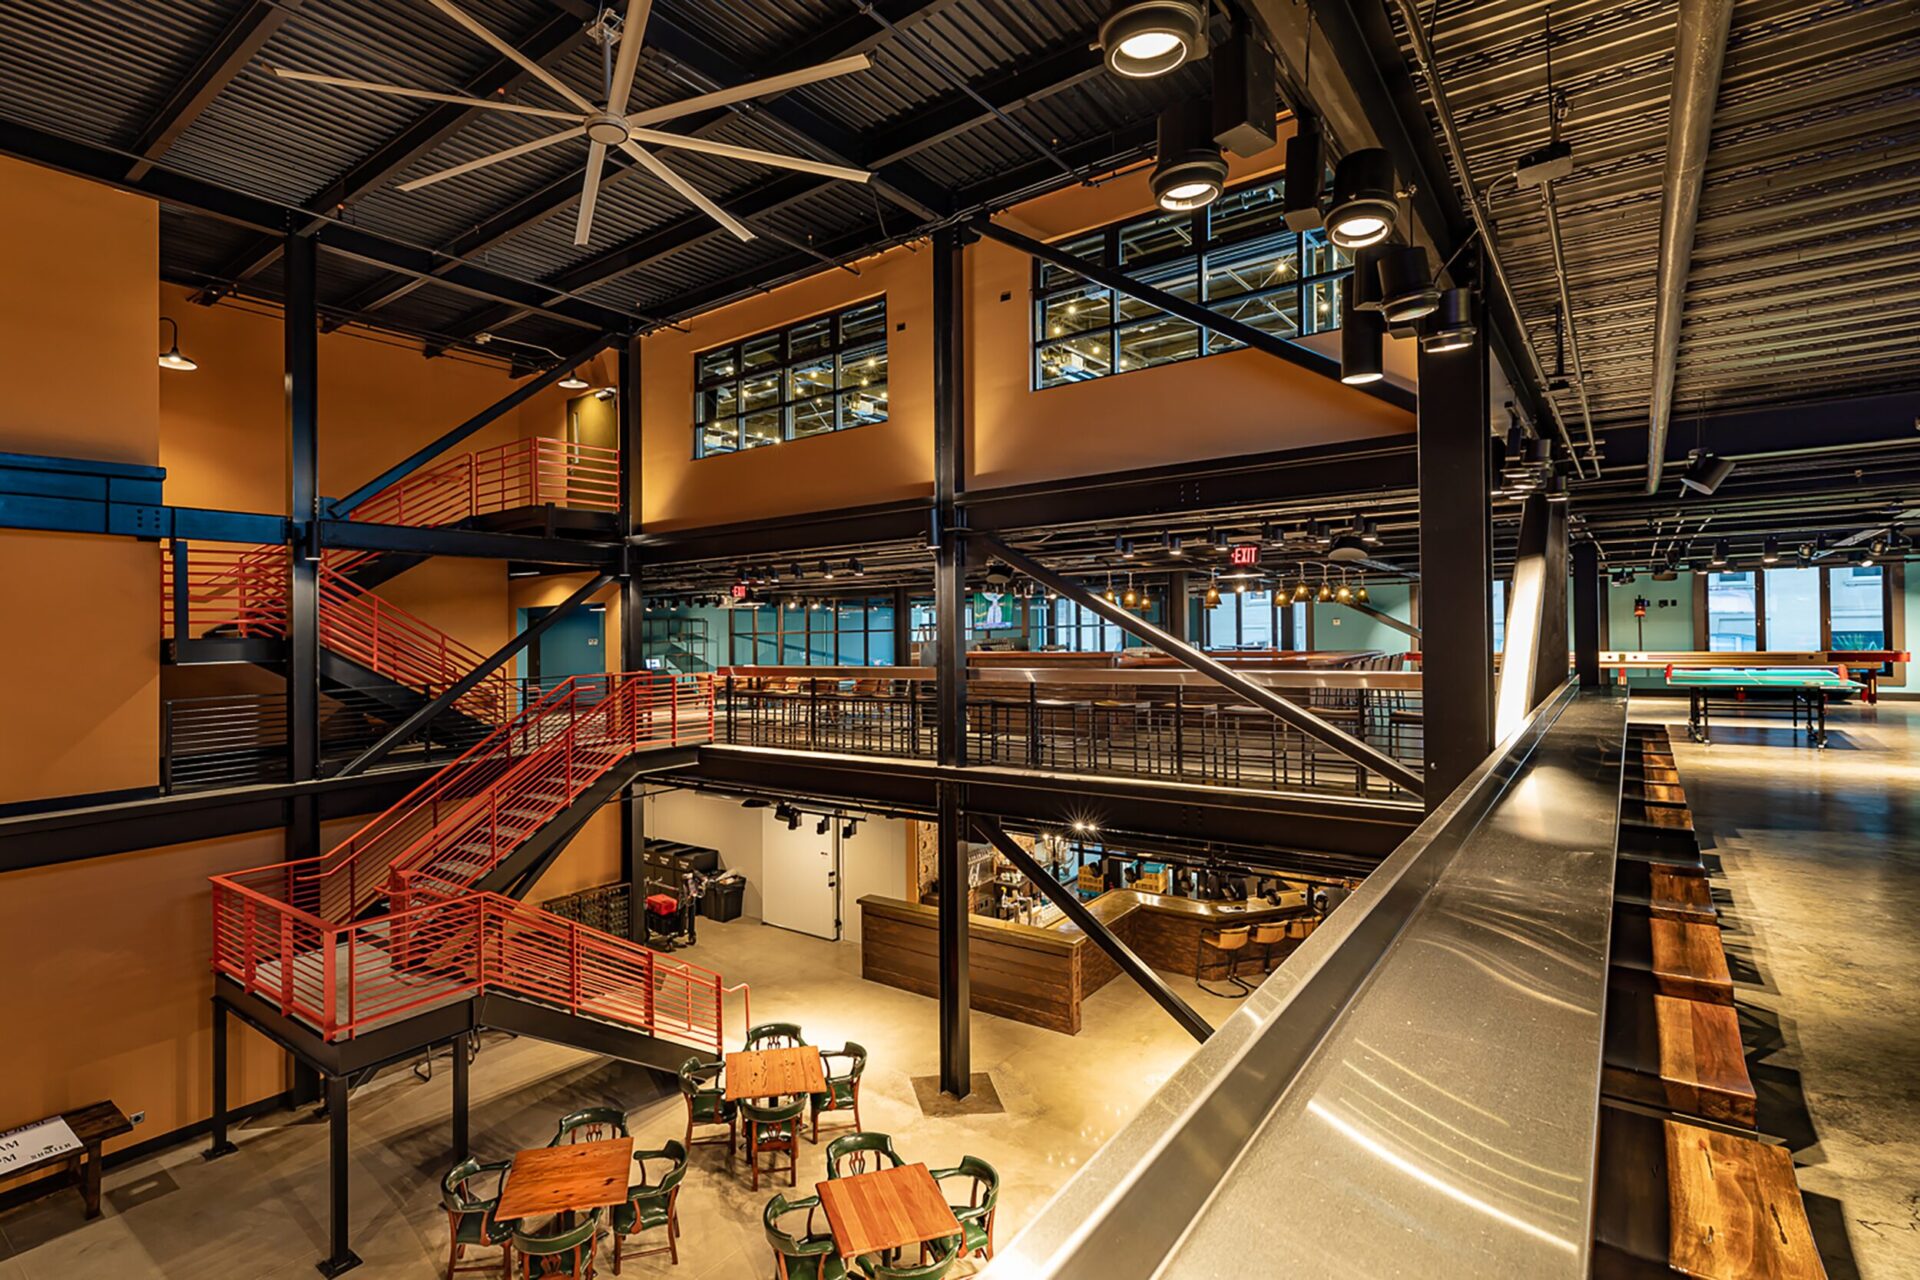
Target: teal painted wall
(1335,626)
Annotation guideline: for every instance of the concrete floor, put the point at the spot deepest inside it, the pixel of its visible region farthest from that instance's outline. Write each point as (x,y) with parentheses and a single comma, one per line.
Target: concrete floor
(1819,887)
(262,1212)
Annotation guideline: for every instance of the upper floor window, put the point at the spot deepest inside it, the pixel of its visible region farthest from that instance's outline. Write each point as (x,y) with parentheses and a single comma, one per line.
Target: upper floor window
(825,373)
(1236,256)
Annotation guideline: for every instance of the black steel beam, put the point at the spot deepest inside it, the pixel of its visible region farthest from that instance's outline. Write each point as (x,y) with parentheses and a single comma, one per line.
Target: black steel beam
(849,527)
(423,136)
(342,507)
(302,382)
(1068,900)
(1291,713)
(1589,599)
(251,28)
(1289,831)
(633,807)
(381,749)
(1387,620)
(1194,312)
(480,544)
(1456,565)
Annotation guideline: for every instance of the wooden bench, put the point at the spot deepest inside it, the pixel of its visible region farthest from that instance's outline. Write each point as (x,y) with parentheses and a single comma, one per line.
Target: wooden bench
(1672,957)
(92,1125)
(1680,1055)
(1677,1198)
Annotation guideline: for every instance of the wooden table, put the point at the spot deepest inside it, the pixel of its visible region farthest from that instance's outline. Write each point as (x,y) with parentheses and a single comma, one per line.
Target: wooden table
(768,1073)
(92,1125)
(887,1209)
(549,1180)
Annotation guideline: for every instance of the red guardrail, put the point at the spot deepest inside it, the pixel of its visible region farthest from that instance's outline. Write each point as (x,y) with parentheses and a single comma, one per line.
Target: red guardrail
(346,979)
(520,473)
(357,624)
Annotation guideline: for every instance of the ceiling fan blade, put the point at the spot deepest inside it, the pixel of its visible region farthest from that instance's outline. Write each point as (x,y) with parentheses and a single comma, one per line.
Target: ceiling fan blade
(497,156)
(752,89)
(520,59)
(770,159)
(590,195)
(402,91)
(632,30)
(652,164)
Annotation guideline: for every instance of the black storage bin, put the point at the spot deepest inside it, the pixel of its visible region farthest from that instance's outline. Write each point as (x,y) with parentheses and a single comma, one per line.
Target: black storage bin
(722,899)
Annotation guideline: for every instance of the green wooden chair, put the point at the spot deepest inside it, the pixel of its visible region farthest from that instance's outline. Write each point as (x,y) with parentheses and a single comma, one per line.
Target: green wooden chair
(652,1204)
(983,1197)
(843,1086)
(706,1103)
(591,1124)
(806,1257)
(945,1252)
(775,1035)
(860,1153)
(773,1126)
(470,1221)
(565,1252)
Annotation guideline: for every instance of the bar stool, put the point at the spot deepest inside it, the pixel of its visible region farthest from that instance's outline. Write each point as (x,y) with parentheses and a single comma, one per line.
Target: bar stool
(1267,935)
(1229,942)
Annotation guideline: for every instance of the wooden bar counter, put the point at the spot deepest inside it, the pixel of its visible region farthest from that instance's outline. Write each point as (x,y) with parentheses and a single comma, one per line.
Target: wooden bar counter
(1040,974)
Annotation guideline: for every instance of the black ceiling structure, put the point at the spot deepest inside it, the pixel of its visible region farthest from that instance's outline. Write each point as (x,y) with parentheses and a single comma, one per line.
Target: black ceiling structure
(969,106)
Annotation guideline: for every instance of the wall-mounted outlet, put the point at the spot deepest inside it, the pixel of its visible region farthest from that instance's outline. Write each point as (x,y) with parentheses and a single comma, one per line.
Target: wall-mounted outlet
(138,1117)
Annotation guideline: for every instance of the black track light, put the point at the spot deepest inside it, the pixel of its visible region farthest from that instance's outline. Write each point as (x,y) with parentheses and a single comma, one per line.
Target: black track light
(794,569)
(1188,170)
(821,827)
(1706,471)
(1719,557)
(784,812)
(1360,337)
(1368,531)
(1407,291)
(826,570)
(1306,176)
(1450,326)
(1770,550)
(855,568)
(1123,547)
(1804,553)
(1366,276)
(1363,210)
(848,827)
(1145,38)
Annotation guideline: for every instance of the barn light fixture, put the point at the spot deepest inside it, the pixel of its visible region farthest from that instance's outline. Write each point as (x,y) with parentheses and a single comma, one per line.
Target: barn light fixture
(171,357)
(1363,210)
(573,382)
(1145,38)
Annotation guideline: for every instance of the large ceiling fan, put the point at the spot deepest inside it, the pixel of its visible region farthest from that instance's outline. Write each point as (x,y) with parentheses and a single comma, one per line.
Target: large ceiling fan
(611,124)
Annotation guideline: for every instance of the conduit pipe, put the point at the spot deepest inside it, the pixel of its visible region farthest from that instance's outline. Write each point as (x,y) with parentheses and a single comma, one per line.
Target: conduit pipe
(1699,53)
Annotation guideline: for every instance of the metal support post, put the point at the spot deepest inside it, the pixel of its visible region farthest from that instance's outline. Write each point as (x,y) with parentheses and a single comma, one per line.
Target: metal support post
(1589,601)
(341,1259)
(218,1143)
(461,1070)
(301,324)
(950,619)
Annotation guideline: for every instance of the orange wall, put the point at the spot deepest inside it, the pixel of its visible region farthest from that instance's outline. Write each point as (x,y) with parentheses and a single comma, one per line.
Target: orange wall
(79,265)
(223,436)
(884,462)
(120,1006)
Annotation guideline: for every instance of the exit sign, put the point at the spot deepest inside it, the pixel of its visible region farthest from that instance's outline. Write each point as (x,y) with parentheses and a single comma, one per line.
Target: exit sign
(739,591)
(1247,553)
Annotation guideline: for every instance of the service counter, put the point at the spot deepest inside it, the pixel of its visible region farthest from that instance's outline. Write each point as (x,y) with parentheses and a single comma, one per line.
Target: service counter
(1041,973)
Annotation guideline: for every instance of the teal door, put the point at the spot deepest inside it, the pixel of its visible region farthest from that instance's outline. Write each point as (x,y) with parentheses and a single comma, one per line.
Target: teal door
(573,646)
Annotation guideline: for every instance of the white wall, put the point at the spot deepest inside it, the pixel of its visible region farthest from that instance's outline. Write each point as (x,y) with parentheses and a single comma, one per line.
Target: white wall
(874,860)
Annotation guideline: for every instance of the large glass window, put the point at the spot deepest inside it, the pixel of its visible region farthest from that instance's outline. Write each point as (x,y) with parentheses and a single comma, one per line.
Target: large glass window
(826,373)
(1242,620)
(1236,256)
(1858,607)
(855,632)
(1732,621)
(1793,609)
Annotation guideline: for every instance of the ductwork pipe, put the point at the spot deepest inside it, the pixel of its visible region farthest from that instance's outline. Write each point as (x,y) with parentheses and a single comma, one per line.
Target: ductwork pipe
(1699,53)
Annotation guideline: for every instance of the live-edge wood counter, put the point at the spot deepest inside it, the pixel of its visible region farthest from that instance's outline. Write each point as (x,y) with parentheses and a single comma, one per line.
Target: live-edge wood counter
(1041,974)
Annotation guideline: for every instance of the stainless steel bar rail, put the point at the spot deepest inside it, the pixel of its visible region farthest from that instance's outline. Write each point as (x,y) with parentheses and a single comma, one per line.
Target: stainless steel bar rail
(1414,1093)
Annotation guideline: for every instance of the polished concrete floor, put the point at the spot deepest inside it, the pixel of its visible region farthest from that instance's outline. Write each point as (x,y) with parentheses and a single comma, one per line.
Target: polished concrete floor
(262,1212)
(1819,884)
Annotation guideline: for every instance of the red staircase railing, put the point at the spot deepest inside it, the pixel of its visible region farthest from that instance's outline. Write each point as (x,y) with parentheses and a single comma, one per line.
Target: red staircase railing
(344,979)
(381,636)
(451,830)
(520,473)
(241,591)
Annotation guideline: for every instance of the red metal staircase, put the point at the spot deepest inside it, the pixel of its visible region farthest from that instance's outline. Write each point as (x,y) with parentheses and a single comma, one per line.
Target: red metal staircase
(303,935)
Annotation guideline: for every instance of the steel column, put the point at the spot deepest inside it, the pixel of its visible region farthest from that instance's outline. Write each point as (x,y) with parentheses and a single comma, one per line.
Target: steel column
(1589,602)
(950,620)
(1363,754)
(341,1259)
(1456,563)
(301,328)
(1068,900)
(218,1143)
(1534,662)
(902,628)
(461,1093)
(1179,612)
(633,604)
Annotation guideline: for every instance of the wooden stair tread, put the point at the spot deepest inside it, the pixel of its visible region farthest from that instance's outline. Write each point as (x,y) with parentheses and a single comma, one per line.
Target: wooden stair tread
(1679,957)
(1684,1055)
(1699,1201)
(1665,817)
